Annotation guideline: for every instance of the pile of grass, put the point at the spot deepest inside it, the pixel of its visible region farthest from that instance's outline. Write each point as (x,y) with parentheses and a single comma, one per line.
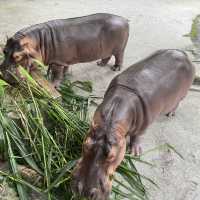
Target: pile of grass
(194,28)
(45,136)
(195,31)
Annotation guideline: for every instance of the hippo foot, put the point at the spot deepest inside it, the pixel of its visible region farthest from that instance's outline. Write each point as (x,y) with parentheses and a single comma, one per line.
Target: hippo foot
(116,68)
(101,63)
(136,150)
(56,84)
(171,114)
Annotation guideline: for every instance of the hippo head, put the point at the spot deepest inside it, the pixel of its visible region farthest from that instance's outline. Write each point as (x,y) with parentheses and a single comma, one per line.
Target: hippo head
(103,151)
(14,53)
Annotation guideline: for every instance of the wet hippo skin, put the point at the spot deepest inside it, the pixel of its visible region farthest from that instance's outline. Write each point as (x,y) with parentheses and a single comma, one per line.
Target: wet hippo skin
(63,42)
(133,100)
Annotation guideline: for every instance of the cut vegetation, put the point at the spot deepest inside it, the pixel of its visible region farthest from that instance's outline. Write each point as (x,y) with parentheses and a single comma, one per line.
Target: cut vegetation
(42,139)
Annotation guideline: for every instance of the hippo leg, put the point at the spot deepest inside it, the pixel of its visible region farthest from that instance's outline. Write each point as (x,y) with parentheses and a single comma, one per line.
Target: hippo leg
(65,70)
(104,61)
(48,71)
(57,75)
(135,147)
(118,61)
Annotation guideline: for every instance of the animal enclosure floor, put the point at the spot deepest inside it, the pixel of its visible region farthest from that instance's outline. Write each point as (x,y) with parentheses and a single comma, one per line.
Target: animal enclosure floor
(154,25)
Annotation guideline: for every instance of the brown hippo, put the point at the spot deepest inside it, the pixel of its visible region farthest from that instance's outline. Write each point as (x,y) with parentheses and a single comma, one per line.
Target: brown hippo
(63,42)
(133,100)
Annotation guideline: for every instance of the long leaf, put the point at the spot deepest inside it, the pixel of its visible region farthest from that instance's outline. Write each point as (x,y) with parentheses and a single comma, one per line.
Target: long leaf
(20,189)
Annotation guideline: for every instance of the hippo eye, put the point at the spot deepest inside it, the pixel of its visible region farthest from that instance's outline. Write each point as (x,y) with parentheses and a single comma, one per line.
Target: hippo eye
(111,157)
(17,57)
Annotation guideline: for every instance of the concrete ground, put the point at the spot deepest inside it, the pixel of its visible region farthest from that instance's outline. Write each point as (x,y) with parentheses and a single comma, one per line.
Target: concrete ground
(154,25)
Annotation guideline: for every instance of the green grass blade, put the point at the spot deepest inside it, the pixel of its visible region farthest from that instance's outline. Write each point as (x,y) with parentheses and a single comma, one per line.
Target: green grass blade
(20,189)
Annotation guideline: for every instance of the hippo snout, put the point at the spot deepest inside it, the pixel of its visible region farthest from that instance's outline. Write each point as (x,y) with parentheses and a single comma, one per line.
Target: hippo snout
(81,188)
(91,194)
(95,194)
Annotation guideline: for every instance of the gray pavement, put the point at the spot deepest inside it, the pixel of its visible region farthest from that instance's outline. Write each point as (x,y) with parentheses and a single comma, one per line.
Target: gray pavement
(155,24)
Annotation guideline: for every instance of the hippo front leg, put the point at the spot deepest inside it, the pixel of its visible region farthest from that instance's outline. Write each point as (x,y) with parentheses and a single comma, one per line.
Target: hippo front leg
(65,71)
(135,147)
(118,61)
(48,71)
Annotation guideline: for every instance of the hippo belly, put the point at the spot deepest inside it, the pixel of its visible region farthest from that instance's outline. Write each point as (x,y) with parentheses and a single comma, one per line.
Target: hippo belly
(88,40)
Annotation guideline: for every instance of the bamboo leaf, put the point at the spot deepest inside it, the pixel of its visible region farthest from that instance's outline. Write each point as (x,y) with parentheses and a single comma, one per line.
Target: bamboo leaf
(20,189)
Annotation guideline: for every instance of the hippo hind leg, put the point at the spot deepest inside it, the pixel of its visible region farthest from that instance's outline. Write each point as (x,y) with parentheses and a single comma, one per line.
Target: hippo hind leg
(48,72)
(172,113)
(65,70)
(118,61)
(103,61)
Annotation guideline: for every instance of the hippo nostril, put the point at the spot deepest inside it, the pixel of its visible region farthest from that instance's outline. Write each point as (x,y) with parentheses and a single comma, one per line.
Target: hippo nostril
(93,194)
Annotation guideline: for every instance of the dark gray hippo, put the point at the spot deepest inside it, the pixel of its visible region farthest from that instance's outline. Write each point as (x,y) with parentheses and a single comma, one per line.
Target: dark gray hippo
(63,42)
(133,100)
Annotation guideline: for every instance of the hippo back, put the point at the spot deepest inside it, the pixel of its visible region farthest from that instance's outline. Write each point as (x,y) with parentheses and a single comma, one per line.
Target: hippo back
(160,81)
(74,40)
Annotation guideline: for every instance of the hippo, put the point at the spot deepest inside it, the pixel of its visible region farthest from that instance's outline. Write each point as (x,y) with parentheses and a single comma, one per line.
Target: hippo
(63,42)
(133,100)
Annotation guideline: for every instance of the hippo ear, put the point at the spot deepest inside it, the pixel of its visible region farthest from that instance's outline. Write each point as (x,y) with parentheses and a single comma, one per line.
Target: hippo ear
(10,39)
(10,42)
(7,38)
(94,124)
